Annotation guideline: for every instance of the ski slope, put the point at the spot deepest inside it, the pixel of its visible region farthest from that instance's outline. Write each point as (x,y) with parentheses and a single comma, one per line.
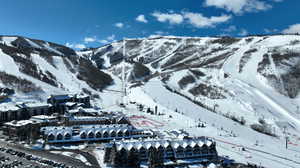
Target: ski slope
(230,136)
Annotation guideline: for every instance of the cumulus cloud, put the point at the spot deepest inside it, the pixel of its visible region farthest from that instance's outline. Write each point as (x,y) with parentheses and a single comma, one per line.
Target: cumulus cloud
(231,28)
(108,39)
(141,18)
(239,6)
(172,18)
(111,38)
(292,29)
(90,39)
(104,41)
(200,21)
(159,32)
(69,45)
(75,46)
(79,46)
(270,30)
(195,19)
(119,25)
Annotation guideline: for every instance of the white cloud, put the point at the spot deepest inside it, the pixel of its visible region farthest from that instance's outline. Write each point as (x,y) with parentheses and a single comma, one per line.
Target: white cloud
(292,29)
(119,25)
(172,18)
(239,6)
(103,41)
(111,38)
(108,39)
(195,19)
(200,21)
(270,30)
(231,28)
(69,45)
(79,46)
(161,32)
(90,39)
(158,33)
(141,18)
(75,46)
(243,32)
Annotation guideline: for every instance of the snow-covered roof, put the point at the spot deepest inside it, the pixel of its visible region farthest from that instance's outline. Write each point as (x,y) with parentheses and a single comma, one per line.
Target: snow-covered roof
(68,96)
(19,123)
(81,96)
(84,110)
(87,128)
(157,143)
(43,118)
(87,118)
(60,97)
(174,134)
(36,104)
(70,103)
(8,107)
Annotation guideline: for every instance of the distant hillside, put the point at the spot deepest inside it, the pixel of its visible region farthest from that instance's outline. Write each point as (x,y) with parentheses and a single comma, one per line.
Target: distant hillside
(34,65)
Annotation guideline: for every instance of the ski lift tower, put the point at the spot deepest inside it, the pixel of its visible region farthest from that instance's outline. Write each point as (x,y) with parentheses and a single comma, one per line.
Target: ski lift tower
(123,73)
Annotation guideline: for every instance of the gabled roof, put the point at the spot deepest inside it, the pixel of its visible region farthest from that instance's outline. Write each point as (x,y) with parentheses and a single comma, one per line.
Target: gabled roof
(157,143)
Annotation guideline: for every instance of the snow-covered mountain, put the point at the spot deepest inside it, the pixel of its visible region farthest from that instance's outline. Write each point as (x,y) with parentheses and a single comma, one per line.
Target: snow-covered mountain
(246,90)
(29,65)
(251,79)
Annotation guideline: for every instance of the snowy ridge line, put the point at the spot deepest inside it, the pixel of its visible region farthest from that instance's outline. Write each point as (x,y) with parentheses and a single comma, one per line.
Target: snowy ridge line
(253,149)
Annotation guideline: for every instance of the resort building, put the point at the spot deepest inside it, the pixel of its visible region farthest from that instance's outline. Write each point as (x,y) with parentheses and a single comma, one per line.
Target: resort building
(90,133)
(165,152)
(61,99)
(23,111)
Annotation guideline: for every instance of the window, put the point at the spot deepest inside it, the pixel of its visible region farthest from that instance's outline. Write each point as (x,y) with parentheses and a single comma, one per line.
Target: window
(67,136)
(98,135)
(113,134)
(126,133)
(50,137)
(189,151)
(180,151)
(91,135)
(105,135)
(83,135)
(120,134)
(59,137)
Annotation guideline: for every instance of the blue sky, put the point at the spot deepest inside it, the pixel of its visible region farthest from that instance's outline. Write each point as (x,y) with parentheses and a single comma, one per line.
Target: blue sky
(91,23)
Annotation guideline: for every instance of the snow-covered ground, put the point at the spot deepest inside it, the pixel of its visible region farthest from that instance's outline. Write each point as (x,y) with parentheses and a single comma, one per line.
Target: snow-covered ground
(231,137)
(250,94)
(73,155)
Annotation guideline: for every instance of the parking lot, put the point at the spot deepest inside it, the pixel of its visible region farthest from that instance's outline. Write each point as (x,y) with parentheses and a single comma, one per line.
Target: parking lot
(14,155)
(10,158)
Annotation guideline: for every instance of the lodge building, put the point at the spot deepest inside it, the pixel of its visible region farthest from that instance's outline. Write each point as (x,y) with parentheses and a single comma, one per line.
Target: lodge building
(168,151)
(23,111)
(55,104)
(57,100)
(90,133)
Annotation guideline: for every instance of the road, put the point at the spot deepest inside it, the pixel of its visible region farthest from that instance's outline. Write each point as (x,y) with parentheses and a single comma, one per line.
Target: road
(90,158)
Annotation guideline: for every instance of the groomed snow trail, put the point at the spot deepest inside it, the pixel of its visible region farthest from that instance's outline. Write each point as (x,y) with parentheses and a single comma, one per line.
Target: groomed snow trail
(270,101)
